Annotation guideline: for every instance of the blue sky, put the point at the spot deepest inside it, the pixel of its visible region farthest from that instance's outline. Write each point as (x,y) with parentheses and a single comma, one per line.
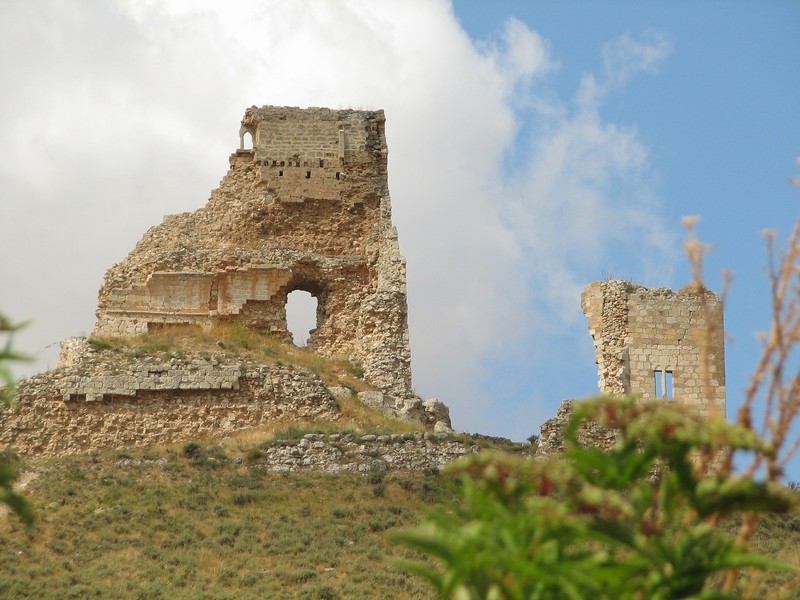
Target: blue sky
(533,147)
(719,121)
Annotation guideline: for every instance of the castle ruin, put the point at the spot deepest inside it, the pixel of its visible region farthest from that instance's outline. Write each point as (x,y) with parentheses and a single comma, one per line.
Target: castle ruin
(306,208)
(658,343)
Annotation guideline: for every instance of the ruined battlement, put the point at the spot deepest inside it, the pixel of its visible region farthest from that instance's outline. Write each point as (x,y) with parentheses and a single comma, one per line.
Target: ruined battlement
(311,135)
(309,153)
(658,343)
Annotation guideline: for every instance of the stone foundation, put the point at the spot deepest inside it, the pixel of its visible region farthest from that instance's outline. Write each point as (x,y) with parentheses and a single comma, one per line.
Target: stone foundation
(337,453)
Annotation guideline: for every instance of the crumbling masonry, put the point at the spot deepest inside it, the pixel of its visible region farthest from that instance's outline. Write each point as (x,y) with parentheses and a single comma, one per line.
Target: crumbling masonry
(657,343)
(307,208)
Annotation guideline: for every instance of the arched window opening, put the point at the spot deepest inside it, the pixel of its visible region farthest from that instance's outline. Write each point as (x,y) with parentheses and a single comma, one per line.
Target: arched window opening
(301,316)
(247,141)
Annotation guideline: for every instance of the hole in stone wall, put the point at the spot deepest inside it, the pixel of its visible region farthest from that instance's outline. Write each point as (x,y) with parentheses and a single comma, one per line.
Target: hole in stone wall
(668,384)
(308,174)
(301,316)
(247,143)
(280,173)
(337,174)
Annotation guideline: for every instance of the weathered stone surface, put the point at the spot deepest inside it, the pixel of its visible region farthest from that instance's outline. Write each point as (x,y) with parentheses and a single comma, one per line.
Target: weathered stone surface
(442,427)
(377,400)
(639,332)
(339,392)
(307,208)
(590,434)
(106,400)
(431,413)
(336,453)
(439,413)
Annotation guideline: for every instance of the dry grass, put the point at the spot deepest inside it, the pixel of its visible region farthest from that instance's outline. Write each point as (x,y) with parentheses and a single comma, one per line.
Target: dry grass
(238,340)
(771,403)
(121,525)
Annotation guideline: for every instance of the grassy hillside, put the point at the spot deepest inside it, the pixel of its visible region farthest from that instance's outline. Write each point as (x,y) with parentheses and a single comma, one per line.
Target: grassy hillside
(198,521)
(192,523)
(206,521)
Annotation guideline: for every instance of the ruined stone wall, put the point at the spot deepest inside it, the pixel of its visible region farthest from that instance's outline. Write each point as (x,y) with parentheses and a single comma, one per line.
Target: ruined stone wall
(107,398)
(94,401)
(337,453)
(589,434)
(657,342)
(306,208)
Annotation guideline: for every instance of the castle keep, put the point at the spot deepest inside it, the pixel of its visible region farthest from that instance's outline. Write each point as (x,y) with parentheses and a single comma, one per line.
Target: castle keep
(305,208)
(657,343)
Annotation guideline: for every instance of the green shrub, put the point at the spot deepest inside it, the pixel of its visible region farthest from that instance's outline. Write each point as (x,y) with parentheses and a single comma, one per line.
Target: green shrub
(193,451)
(634,521)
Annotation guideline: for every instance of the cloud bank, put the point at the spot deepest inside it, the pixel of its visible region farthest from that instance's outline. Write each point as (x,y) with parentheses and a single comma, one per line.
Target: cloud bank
(508,199)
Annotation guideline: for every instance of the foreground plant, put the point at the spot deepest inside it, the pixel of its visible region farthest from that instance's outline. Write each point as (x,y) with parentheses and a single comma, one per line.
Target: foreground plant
(8,466)
(644,519)
(635,521)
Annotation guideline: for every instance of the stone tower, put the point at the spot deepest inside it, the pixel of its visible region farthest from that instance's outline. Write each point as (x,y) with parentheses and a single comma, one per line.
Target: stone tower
(306,207)
(651,342)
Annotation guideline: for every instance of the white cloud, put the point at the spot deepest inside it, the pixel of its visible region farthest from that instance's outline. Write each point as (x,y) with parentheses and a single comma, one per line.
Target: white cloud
(624,56)
(120,112)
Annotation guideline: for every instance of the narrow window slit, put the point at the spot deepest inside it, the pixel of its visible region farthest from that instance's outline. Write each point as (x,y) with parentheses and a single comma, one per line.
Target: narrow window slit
(662,378)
